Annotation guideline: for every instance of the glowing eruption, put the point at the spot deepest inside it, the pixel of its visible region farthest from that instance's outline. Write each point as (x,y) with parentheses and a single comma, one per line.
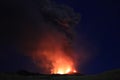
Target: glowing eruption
(48,39)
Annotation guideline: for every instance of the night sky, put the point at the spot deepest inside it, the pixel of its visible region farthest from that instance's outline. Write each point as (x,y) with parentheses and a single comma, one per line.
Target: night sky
(99,27)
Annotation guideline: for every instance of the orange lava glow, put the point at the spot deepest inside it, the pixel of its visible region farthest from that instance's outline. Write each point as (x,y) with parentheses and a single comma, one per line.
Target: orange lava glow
(63,65)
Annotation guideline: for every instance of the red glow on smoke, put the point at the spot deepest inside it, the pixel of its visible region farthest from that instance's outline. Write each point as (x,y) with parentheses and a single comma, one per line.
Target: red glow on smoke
(55,52)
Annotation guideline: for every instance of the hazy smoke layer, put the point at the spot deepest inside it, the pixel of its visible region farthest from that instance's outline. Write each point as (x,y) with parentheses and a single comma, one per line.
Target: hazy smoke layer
(39,28)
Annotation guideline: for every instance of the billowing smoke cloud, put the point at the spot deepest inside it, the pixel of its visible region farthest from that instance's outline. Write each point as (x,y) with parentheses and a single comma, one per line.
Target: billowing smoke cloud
(42,29)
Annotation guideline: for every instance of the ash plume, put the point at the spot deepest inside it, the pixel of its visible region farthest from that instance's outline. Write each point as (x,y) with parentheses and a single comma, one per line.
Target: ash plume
(42,29)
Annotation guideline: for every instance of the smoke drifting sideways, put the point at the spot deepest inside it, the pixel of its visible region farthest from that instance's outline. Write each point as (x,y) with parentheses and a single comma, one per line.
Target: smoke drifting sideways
(42,30)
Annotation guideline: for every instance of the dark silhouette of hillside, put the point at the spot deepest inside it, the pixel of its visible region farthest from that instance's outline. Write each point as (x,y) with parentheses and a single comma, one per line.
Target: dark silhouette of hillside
(25,75)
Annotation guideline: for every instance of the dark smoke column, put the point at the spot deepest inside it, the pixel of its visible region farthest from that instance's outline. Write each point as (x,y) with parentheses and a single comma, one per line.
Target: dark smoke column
(63,17)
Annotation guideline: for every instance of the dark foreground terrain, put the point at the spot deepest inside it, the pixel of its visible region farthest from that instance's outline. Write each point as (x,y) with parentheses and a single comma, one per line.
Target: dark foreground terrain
(109,75)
